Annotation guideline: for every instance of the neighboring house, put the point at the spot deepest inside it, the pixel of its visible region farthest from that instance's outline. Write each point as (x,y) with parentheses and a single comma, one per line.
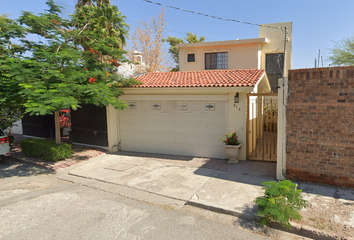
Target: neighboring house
(128,70)
(184,113)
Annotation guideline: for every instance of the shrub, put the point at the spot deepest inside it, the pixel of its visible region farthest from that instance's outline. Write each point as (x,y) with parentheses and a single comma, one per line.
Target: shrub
(280,203)
(46,149)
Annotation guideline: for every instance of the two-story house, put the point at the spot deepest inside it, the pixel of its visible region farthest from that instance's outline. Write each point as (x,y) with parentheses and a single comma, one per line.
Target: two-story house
(185,112)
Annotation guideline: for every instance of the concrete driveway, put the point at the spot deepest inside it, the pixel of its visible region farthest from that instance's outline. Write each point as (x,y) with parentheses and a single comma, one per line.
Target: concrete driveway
(197,181)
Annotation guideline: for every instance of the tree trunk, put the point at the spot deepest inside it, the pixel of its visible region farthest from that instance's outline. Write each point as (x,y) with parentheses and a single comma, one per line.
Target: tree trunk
(57,127)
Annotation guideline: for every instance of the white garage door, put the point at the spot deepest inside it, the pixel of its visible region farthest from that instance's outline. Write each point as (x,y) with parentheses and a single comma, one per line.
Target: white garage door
(165,127)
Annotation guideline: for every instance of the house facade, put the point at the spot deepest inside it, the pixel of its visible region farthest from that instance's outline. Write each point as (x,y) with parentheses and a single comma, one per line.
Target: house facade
(184,113)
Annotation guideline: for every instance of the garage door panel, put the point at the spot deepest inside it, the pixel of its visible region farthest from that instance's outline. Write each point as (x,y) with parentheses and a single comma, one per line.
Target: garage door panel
(133,115)
(128,145)
(128,135)
(209,151)
(145,126)
(143,106)
(130,125)
(215,118)
(168,106)
(191,132)
(212,140)
(183,117)
(146,146)
(195,106)
(144,136)
(170,149)
(157,148)
(197,139)
(182,128)
(170,128)
(157,126)
(182,138)
(156,116)
(169,117)
(195,129)
(216,130)
(169,137)
(197,118)
(157,137)
(145,116)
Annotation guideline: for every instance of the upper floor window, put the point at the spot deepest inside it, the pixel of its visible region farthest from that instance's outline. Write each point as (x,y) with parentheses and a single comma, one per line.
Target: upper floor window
(216,60)
(191,57)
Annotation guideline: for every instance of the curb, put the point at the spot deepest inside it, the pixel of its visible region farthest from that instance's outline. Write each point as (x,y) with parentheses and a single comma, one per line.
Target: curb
(298,229)
(223,210)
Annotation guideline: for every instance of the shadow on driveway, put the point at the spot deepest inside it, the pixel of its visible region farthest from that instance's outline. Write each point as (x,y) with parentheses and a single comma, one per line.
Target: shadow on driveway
(225,171)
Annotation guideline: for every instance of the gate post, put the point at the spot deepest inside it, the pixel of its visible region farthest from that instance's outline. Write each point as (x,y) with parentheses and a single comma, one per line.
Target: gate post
(281,138)
(112,129)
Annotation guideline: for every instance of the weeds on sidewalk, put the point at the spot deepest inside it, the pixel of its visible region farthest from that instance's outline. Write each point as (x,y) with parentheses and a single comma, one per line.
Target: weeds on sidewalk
(280,203)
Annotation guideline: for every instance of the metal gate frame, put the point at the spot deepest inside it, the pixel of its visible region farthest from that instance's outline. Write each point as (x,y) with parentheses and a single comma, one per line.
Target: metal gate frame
(261,145)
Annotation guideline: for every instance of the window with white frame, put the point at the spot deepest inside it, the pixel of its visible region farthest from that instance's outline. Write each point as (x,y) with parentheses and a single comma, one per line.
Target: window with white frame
(216,60)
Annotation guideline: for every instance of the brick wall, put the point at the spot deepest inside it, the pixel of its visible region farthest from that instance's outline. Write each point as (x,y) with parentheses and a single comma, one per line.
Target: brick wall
(320,125)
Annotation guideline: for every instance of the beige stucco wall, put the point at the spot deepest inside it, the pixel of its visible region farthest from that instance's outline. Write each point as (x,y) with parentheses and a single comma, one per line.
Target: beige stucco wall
(240,56)
(276,39)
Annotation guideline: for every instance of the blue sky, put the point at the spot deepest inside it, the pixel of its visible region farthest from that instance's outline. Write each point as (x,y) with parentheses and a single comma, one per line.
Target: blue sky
(316,23)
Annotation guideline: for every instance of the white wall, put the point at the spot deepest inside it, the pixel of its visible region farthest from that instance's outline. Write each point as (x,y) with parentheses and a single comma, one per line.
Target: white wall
(16,129)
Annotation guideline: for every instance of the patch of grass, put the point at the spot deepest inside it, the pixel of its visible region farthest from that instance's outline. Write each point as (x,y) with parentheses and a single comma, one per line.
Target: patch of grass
(167,207)
(318,223)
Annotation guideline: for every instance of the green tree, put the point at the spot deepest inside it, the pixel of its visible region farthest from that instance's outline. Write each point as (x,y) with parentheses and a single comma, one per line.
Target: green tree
(104,21)
(173,41)
(91,2)
(59,73)
(11,108)
(343,52)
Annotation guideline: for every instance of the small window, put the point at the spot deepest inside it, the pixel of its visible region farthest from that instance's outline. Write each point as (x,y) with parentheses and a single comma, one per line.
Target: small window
(191,57)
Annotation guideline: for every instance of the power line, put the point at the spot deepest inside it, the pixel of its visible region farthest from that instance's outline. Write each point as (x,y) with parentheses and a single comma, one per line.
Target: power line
(211,16)
(134,21)
(169,30)
(65,4)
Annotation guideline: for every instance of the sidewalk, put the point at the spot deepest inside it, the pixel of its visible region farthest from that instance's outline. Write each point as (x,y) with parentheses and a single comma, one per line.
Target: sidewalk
(80,153)
(214,185)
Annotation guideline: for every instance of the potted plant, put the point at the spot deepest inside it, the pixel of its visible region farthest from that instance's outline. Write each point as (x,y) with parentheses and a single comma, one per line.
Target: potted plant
(232,146)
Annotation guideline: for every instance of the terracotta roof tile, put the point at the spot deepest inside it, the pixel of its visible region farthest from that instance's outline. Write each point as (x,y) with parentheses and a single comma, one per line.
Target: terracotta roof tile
(210,78)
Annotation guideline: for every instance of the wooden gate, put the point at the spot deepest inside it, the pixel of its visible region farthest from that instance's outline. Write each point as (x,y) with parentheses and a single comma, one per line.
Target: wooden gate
(262,116)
